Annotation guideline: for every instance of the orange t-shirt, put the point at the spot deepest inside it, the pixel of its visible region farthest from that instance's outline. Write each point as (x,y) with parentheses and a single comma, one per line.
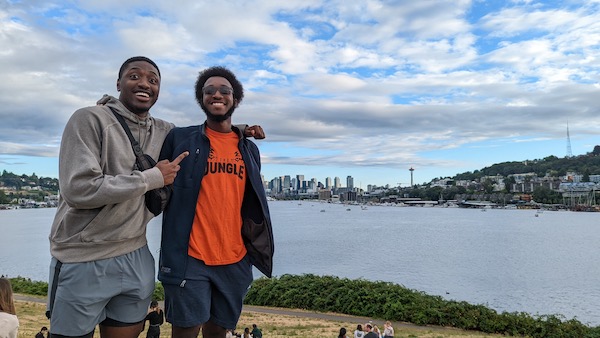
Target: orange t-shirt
(216,236)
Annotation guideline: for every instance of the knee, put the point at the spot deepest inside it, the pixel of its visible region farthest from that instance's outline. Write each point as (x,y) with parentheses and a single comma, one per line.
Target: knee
(210,329)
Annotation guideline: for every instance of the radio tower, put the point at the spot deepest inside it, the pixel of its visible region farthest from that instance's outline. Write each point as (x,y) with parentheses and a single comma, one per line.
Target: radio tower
(411,176)
(569,153)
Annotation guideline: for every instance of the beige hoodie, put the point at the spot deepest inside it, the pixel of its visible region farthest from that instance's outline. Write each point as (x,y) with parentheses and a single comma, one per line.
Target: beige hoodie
(101,212)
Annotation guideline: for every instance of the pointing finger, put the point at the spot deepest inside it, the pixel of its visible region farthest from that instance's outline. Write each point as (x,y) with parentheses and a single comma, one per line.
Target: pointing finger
(180,157)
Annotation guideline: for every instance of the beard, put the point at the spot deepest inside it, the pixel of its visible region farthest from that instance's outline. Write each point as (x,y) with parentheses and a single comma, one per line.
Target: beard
(218,118)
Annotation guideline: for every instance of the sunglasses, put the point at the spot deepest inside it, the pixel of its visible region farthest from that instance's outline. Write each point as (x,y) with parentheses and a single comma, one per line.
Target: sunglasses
(211,90)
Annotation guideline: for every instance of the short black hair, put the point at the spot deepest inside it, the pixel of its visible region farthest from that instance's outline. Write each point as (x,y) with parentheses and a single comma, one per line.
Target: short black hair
(238,89)
(134,59)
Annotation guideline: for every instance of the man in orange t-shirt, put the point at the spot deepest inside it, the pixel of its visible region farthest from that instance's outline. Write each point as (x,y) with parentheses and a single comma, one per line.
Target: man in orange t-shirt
(217,224)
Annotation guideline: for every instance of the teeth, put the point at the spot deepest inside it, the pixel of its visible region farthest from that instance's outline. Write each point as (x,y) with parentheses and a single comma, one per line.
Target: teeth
(218,104)
(142,94)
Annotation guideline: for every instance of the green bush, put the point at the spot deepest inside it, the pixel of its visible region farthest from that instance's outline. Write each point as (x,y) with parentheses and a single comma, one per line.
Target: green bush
(29,287)
(388,301)
(159,292)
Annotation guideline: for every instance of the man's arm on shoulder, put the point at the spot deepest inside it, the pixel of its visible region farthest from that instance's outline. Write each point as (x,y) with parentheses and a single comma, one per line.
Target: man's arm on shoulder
(255,131)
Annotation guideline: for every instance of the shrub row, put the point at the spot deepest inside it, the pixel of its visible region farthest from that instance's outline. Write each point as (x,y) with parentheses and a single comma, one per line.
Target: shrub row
(383,300)
(28,287)
(388,301)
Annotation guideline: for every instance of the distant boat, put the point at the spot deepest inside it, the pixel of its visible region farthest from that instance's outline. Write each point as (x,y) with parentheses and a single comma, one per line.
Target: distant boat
(322,210)
(348,209)
(363,207)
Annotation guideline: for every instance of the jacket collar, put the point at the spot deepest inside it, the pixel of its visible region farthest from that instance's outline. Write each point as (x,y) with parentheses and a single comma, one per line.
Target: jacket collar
(233,128)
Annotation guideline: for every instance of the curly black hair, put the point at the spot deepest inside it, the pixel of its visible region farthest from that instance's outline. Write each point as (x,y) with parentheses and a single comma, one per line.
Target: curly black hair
(238,89)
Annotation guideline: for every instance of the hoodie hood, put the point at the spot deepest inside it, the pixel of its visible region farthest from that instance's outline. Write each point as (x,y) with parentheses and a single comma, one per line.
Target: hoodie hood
(111,101)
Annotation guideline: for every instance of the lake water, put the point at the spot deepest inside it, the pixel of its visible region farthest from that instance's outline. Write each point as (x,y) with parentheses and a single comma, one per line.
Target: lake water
(509,260)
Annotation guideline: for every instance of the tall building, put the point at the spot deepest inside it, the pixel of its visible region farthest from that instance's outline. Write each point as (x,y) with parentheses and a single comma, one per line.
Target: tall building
(350,182)
(287,183)
(337,183)
(299,180)
(275,185)
(314,183)
(328,183)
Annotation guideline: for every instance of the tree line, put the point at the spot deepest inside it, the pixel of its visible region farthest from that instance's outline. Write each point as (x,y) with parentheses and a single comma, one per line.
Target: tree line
(552,166)
(17,186)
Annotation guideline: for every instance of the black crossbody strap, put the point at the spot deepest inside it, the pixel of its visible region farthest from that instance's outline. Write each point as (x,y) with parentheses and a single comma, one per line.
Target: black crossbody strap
(52,291)
(135,145)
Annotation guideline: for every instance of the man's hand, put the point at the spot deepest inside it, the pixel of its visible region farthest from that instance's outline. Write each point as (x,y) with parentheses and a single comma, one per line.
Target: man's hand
(254,131)
(169,169)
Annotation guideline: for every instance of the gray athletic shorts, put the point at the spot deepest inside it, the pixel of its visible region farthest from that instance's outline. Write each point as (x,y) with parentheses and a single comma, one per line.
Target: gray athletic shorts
(118,288)
(214,293)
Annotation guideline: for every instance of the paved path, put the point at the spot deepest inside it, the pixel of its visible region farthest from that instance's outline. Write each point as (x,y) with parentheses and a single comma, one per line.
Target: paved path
(297,313)
(338,317)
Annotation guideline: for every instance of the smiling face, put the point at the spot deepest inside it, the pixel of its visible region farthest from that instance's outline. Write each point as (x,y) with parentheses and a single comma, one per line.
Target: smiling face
(139,86)
(218,106)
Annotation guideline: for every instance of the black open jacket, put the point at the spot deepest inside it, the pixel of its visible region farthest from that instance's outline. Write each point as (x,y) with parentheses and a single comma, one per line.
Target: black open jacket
(178,216)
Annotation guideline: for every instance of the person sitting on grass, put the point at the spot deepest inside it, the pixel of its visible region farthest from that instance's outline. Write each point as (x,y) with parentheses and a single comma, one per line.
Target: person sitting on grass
(42,333)
(256,332)
(369,331)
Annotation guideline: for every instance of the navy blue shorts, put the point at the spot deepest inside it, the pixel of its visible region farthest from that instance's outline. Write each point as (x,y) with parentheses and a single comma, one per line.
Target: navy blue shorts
(214,293)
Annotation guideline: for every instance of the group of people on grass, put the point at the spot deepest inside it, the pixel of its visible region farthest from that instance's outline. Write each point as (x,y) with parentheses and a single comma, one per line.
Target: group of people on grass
(255,333)
(369,330)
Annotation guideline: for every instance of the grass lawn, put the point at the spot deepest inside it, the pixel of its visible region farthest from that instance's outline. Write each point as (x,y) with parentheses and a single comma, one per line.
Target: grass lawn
(32,318)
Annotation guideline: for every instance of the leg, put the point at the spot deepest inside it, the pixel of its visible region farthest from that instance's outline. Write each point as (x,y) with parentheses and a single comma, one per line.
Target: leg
(212,330)
(126,311)
(211,299)
(92,293)
(187,305)
(132,331)
(185,332)
(153,332)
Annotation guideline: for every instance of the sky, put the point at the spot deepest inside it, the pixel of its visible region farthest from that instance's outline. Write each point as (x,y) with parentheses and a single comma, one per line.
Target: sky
(367,89)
